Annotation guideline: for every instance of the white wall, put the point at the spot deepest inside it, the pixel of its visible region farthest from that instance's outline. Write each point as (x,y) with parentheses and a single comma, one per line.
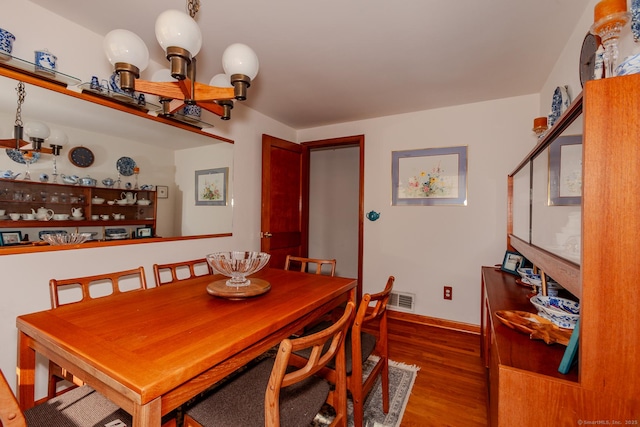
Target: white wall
(427,247)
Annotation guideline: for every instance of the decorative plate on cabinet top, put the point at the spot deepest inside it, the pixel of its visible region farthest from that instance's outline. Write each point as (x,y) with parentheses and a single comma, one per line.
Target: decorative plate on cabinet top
(125,166)
(18,156)
(559,104)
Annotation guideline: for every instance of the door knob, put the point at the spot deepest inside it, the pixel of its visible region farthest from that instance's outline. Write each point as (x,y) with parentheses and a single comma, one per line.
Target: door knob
(265,234)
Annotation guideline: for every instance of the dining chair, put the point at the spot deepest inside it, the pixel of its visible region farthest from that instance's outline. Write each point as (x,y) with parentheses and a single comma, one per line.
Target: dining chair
(80,289)
(304,264)
(178,271)
(272,393)
(80,407)
(359,346)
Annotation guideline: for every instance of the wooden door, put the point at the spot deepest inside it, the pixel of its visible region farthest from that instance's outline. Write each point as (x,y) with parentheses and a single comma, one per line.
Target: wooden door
(284,180)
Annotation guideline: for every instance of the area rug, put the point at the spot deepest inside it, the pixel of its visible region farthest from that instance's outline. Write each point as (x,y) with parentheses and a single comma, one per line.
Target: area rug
(401,379)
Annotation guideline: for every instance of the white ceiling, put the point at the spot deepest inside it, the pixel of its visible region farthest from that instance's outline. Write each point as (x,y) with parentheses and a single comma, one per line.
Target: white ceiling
(334,61)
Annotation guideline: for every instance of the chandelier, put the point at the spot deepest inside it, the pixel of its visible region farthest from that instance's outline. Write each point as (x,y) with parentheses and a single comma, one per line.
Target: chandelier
(180,37)
(36,131)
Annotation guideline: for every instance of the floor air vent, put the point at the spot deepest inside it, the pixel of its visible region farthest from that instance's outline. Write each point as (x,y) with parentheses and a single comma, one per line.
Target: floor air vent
(401,301)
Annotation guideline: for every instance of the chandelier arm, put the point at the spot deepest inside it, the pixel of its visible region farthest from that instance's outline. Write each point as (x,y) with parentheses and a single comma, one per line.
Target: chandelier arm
(210,93)
(164,89)
(212,107)
(11,143)
(175,105)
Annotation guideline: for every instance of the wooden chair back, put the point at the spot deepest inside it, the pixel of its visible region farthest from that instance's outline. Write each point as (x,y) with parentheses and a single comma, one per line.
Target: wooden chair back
(283,375)
(370,317)
(10,413)
(177,270)
(305,264)
(112,279)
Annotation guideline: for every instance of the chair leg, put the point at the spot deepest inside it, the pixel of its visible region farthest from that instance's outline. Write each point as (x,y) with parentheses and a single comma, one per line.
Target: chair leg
(385,385)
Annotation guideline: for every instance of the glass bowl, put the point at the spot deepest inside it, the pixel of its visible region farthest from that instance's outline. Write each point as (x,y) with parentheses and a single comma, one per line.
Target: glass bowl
(237,265)
(58,239)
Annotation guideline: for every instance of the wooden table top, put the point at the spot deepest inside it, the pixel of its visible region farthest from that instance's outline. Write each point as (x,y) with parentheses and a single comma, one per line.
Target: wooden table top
(152,341)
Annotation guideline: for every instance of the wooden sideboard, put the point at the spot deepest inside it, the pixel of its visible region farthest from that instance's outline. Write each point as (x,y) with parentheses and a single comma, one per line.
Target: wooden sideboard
(525,388)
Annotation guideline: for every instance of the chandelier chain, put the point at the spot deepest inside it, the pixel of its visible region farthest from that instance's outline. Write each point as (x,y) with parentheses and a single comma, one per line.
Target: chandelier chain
(193,6)
(21,95)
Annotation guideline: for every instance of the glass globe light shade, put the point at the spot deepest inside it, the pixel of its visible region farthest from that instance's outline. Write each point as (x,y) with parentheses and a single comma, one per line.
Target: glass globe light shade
(57,137)
(125,46)
(162,75)
(175,28)
(220,80)
(239,58)
(36,130)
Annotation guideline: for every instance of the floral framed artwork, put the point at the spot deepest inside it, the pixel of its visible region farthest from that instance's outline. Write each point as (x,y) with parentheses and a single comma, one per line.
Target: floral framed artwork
(429,176)
(211,187)
(565,171)
(10,238)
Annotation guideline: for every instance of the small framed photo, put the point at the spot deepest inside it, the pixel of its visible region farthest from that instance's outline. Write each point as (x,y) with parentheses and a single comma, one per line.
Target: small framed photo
(143,232)
(211,187)
(163,191)
(511,262)
(9,238)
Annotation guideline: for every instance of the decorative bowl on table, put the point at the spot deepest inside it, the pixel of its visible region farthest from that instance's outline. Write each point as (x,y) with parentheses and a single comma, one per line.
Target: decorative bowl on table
(237,265)
(58,239)
(525,271)
(560,311)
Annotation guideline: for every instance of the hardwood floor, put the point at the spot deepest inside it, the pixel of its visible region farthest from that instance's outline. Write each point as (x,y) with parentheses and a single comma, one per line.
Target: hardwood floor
(451,388)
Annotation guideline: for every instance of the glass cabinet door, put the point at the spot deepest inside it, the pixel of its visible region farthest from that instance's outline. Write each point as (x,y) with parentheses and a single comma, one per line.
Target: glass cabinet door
(556,195)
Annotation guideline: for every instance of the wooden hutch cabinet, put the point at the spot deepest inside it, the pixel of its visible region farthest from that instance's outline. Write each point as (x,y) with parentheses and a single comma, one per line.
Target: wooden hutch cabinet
(525,387)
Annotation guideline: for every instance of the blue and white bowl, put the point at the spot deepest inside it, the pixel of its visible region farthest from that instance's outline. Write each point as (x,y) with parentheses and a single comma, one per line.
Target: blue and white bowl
(630,65)
(45,61)
(561,311)
(6,43)
(524,272)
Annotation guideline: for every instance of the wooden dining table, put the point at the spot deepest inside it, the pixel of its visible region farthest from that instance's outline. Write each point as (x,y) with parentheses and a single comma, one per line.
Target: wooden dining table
(150,351)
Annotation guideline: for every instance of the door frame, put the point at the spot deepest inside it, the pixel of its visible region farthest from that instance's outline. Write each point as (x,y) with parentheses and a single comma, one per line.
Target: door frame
(343,142)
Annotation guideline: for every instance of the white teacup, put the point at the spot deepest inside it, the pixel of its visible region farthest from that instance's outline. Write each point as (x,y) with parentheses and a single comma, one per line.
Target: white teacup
(3,212)
(28,216)
(104,217)
(95,217)
(15,216)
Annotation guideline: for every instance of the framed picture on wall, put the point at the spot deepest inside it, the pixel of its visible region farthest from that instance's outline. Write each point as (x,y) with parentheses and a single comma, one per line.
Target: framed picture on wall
(429,176)
(212,187)
(163,191)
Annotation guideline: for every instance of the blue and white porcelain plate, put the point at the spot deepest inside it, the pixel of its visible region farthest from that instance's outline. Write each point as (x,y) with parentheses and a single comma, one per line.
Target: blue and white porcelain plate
(635,20)
(18,156)
(125,166)
(559,104)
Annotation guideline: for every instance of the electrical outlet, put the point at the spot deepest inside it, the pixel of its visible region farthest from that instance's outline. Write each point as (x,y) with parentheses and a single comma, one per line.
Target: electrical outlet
(448,292)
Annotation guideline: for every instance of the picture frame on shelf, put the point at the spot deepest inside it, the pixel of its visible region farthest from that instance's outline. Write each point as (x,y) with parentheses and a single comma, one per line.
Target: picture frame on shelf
(142,232)
(511,262)
(10,238)
(162,191)
(211,187)
(571,351)
(429,177)
(565,171)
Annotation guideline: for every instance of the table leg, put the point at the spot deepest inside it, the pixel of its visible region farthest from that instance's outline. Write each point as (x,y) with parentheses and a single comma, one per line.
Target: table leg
(148,415)
(26,371)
